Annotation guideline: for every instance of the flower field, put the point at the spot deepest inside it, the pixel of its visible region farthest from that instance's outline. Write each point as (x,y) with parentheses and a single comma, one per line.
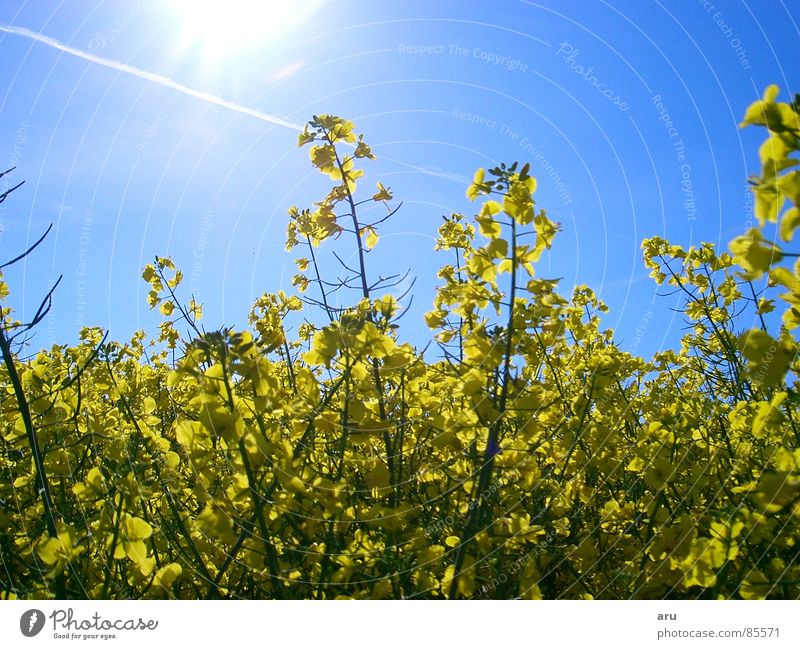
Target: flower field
(523,454)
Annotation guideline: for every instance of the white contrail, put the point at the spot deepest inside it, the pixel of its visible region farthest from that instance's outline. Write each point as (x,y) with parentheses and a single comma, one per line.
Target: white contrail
(149,76)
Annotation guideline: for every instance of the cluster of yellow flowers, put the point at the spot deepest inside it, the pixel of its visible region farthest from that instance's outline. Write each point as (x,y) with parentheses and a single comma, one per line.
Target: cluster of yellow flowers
(531,458)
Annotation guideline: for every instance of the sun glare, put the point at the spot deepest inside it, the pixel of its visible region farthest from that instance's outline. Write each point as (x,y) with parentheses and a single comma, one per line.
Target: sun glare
(224,27)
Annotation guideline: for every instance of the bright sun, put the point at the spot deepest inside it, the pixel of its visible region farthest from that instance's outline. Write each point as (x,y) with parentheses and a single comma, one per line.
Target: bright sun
(222,27)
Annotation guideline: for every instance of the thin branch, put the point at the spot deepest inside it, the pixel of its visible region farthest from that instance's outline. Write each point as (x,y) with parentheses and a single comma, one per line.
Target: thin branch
(29,250)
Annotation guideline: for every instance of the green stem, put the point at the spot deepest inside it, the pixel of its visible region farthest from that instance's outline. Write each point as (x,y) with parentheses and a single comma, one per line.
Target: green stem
(492,444)
(38,459)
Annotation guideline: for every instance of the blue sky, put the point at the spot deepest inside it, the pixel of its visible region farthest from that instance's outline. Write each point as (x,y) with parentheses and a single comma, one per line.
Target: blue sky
(127,168)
